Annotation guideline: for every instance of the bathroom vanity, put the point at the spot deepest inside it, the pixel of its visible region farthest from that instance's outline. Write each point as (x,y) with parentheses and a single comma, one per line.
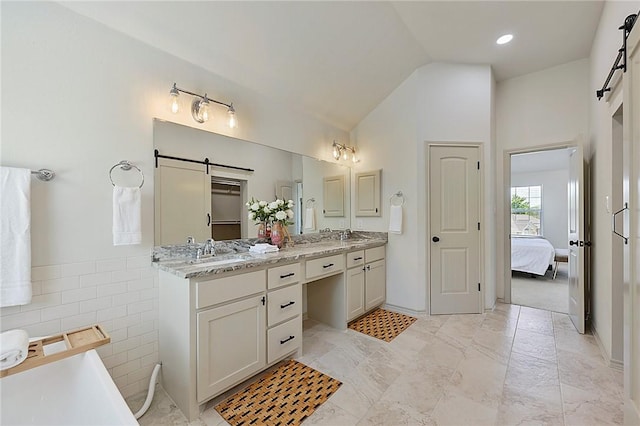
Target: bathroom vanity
(224,319)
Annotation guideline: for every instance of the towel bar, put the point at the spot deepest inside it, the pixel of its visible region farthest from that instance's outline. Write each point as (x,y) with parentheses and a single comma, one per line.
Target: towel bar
(126,165)
(398,195)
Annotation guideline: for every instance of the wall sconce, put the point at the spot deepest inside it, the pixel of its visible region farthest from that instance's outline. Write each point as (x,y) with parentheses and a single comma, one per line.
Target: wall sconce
(200,106)
(345,152)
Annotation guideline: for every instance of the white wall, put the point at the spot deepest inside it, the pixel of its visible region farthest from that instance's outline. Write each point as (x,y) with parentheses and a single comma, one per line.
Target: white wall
(607,303)
(440,103)
(77,98)
(532,111)
(555,206)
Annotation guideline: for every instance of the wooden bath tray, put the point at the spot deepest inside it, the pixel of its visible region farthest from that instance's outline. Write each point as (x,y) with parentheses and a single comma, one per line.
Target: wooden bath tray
(76,341)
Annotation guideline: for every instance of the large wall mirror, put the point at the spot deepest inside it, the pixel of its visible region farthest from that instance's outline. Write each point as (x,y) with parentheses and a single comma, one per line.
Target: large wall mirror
(200,201)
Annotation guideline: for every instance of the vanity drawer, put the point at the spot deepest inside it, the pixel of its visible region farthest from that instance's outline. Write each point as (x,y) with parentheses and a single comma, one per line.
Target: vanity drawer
(284,339)
(284,304)
(283,275)
(325,265)
(355,258)
(215,291)
(373,254)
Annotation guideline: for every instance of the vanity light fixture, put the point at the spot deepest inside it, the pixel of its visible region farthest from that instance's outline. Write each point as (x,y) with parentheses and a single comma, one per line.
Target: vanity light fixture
(345,152)
(200,106)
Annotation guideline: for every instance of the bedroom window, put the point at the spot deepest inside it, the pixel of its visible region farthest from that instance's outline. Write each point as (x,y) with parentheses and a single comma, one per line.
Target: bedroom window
(526,210)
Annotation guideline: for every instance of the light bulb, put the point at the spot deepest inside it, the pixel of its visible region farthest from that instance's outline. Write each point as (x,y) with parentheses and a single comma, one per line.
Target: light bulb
(233,121)
(204,110)
(354,158)
(336,151)
(174,99)
(345,155)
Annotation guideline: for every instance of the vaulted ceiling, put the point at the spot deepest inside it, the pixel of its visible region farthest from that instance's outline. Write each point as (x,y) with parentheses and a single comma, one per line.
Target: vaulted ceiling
(338,60)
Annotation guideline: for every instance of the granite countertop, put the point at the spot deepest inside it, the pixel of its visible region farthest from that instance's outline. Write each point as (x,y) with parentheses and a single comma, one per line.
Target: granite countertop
(235,255)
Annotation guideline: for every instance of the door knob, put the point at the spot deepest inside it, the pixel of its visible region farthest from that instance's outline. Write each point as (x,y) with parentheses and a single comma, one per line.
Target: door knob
(435,239)
(574,243)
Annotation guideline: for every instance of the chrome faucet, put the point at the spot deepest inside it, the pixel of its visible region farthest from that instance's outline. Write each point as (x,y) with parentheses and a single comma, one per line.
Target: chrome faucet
(345,235)
(191,240)
(209,247)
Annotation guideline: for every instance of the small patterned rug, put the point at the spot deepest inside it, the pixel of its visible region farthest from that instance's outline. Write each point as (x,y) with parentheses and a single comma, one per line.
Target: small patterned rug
(286,396)
(382,324)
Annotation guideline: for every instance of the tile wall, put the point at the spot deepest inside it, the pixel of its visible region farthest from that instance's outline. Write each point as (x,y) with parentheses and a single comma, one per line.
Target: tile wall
(120,294)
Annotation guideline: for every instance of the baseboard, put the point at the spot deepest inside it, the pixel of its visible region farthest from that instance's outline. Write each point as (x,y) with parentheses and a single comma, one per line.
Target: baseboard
(402,310)
(613,363)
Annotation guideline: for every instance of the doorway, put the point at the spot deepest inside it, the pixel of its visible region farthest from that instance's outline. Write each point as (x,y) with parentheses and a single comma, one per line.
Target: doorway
(539,229)
(227,202)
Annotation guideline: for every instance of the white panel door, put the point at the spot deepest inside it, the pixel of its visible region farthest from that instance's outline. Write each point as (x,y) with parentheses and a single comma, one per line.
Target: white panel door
(374,284)
(576,238)
(333,203)
(632,229)
(454,198)
(183,202)
(355,292)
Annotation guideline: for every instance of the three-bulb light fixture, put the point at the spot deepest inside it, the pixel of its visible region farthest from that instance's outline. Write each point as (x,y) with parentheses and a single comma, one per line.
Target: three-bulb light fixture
(200,106)
(345,152)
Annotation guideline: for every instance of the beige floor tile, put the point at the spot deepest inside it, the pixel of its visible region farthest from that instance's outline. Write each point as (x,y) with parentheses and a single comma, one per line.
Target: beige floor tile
(441,352)
(584,408)
(456,409)
(539,324)
(562,321)
(479,377)
(330,414)
(584,344)
(541,346)
(499,323)
(518,407)
(589,374)
(386,413)
(495,345)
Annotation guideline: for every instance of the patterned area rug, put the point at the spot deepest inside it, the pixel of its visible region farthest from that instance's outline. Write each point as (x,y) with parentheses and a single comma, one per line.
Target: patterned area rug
(286,396)
(381,324)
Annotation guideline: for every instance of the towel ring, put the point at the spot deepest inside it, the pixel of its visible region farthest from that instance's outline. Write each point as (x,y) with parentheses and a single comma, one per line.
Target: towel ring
(399,196)
(126,165)
(310,200)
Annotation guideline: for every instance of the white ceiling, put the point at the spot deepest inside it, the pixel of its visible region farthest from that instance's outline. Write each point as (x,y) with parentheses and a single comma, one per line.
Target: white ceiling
(338,60)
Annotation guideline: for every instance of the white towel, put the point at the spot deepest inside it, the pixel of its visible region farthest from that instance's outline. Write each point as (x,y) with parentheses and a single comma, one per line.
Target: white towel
(262,248)
(126,216)
(14,348)
(15,236)
(310,219)
(395,220)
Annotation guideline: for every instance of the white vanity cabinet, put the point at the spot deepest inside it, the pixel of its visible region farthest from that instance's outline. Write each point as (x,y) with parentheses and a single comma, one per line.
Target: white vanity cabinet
(365,281)
(220,329)
(284,311)
(355,284)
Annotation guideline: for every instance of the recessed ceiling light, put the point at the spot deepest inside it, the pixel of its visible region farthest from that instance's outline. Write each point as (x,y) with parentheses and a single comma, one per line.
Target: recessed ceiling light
(504,39)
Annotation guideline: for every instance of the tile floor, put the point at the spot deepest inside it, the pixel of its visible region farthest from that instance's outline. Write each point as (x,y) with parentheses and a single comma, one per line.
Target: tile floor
(515,365)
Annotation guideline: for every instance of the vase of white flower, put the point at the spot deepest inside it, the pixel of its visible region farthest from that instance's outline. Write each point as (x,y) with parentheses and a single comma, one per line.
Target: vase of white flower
(260,212)
(282,214)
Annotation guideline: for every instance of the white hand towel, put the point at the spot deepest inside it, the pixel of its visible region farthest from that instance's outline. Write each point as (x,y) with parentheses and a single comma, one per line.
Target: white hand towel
(395,220)
(127,223)
(14,348)
(310,219)
(15,236)
(262,248)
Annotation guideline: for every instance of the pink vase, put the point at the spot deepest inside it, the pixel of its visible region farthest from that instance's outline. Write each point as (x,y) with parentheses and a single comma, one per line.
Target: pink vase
(277,234)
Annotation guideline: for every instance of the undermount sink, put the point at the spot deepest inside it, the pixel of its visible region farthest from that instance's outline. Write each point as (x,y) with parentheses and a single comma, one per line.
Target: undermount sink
(213,261)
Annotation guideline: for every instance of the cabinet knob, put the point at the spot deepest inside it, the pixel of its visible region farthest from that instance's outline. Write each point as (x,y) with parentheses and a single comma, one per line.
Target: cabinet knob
(435,239)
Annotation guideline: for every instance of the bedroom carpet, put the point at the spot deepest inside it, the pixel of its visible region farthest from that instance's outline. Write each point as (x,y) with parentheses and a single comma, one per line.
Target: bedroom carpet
(542,292)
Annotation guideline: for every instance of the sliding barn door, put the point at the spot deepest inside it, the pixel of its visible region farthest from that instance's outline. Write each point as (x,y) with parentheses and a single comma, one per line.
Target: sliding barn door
(183,202)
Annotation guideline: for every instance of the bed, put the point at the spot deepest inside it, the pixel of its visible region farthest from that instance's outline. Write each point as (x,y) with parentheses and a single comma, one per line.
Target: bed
(532,255)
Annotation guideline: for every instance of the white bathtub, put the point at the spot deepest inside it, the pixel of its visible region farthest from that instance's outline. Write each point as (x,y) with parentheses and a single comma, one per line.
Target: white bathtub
(73,391)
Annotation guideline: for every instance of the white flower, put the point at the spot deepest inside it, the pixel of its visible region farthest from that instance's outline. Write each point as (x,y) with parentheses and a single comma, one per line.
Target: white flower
(280,202)
(289,213)
(281,215)
(252,216)
(255,206)
(263,203)
(290,204)
(273,205)
(267,210)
